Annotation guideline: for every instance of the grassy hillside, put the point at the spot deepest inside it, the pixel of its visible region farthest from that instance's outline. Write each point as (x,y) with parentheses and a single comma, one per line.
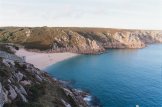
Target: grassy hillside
(81,40)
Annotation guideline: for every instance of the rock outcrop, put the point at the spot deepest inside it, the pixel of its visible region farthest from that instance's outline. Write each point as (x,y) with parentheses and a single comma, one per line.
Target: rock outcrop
(79,40)
(23,85)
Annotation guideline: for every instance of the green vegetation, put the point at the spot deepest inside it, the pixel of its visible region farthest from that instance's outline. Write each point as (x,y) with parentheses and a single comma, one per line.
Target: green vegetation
(37,91)
(44,38)
(79,40)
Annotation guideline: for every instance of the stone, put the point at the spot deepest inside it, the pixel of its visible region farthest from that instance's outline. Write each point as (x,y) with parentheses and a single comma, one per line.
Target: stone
(6,62)
(12,93)
(28,32)
(65,103)
(22,90)
(19,76)
(2,97)
(21,95)
(39,78)
(6,96)
(25,82)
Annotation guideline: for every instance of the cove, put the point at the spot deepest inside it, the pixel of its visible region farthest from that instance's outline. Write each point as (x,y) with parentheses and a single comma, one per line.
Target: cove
(118,77)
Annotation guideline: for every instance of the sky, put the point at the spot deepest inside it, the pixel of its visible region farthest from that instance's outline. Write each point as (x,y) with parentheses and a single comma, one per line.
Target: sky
(131,14)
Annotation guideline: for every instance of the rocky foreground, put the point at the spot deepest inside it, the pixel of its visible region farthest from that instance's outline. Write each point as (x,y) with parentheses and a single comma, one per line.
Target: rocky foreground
(78,40)
(23,85)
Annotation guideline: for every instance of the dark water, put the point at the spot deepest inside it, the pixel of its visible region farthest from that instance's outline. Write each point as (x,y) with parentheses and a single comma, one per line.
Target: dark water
(118,78)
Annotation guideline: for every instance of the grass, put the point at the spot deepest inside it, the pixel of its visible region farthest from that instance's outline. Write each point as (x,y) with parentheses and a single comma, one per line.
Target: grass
(43,38)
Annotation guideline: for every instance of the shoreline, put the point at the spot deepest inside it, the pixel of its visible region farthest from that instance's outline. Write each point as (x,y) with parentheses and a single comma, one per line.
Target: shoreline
(36,58)
(43,60)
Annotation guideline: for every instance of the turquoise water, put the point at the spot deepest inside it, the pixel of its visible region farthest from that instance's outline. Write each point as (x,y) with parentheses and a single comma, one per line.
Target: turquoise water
(119,77)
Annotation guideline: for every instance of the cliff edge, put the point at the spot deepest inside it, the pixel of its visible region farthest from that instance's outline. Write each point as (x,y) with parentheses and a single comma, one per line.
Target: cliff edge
(79,40)
(23,85)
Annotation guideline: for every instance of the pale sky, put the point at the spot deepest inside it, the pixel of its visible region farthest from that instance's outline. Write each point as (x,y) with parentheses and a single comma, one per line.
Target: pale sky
(137,14)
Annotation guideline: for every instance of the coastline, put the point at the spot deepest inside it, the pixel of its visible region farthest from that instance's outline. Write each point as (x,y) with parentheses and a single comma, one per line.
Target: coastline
(43,60)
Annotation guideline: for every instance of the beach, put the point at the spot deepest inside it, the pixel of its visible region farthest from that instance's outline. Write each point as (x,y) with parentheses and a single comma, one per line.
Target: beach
(43,60)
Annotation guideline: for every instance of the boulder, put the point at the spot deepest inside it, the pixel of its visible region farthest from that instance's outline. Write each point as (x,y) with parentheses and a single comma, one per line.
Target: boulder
(2,97)
(12,93)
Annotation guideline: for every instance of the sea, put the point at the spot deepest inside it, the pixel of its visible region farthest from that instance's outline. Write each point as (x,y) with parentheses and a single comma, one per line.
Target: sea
(118,77)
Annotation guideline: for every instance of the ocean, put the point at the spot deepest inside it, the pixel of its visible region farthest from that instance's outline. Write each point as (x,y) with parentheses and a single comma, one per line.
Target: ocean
(118,77)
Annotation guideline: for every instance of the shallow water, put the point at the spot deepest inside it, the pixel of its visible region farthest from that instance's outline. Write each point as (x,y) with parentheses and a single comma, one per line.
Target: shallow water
(119,77)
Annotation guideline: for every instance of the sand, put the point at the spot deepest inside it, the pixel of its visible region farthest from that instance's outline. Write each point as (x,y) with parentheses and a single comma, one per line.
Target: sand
(43,60)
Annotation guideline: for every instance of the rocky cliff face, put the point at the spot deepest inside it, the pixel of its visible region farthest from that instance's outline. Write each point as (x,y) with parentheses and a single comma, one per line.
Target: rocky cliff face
(80,40)
(23,85)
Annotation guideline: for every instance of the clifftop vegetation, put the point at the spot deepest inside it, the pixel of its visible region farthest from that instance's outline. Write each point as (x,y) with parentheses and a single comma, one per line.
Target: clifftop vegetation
(80,40)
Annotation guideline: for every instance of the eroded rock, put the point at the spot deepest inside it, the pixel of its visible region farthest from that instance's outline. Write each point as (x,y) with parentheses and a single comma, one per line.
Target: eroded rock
(2,97)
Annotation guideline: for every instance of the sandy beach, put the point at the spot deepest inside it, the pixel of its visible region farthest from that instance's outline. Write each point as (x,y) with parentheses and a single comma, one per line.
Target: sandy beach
(43,60)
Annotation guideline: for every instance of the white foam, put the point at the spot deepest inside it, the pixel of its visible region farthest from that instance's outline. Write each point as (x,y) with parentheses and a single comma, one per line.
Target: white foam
(88,98)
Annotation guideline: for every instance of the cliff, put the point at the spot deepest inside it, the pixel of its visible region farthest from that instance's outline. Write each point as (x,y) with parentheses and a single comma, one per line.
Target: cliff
(79,40)
(23,85)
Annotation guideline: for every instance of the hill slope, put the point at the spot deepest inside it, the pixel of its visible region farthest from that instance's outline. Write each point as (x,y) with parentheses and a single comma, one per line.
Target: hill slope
(80,40)
(23,85)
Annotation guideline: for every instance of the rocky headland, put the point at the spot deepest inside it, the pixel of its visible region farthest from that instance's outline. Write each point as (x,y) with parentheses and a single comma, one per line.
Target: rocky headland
(23,85)
(78,40)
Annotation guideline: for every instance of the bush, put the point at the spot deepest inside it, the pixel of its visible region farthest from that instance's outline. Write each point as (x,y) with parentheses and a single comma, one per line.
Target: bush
(36,90)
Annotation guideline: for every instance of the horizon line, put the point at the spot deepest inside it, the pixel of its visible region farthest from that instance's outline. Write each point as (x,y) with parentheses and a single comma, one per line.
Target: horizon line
(87,27)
